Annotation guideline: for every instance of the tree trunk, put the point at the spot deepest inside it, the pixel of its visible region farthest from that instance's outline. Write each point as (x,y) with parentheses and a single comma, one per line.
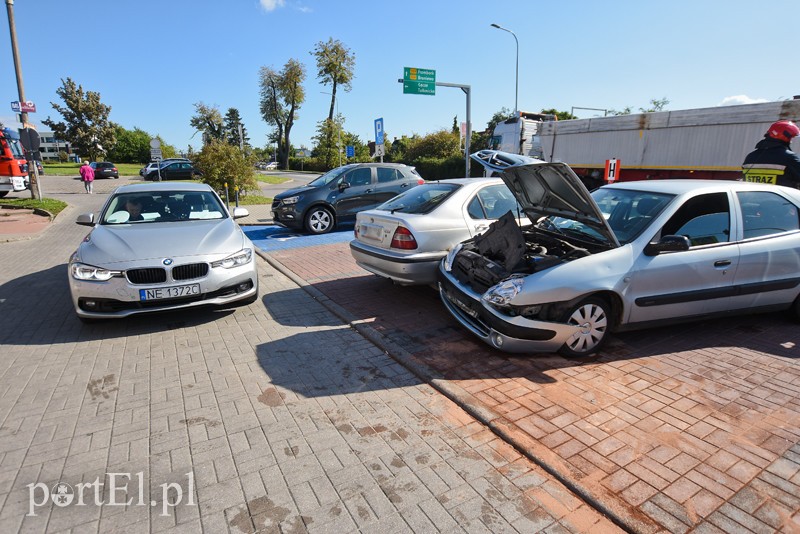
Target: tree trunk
(333,101)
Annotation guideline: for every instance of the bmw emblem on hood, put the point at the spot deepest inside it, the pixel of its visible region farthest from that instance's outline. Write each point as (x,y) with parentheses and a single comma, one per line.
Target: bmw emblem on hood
(167,261)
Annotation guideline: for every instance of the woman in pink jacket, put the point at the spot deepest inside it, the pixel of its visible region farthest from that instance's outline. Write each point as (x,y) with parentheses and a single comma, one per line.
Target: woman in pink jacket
(87,175)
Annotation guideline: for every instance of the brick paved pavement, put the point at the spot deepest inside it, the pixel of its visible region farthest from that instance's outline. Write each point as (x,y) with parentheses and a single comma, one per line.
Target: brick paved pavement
(694,427)
(275,416)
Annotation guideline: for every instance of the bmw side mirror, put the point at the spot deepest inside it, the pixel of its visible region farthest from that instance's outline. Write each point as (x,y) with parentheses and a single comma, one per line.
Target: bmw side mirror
(238,213)
(668,243)
(85,219)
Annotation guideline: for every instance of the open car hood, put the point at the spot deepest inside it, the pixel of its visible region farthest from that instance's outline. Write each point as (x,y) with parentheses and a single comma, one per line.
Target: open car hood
(546,189)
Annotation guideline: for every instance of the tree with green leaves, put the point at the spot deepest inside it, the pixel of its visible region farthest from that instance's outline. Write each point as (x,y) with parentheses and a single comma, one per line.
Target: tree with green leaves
(133,146)
(223,163)
(85,123)
(441,144)
(326,147)
(655,105)
(208,121)
(560,115)
(282,95)
(232,122)
(335,65)
(499,116)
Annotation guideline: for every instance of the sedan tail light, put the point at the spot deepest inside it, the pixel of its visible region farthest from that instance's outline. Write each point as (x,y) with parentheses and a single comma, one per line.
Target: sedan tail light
(403,239)
(420,181)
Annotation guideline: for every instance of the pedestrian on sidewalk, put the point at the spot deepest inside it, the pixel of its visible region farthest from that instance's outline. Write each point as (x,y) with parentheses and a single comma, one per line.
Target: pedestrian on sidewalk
(87,175)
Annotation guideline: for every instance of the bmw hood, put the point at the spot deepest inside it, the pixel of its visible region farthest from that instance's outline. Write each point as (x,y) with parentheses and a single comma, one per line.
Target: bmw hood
(116,244)
(546,189)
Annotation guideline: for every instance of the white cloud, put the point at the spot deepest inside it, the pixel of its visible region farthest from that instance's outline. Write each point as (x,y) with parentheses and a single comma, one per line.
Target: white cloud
(741,99)
(272,5)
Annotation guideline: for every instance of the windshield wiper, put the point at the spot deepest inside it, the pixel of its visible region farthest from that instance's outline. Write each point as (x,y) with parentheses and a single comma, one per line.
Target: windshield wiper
(401,207)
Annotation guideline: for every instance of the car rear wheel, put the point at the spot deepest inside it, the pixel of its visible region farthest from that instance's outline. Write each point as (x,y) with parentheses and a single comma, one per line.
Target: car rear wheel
(592,315)
(319,220)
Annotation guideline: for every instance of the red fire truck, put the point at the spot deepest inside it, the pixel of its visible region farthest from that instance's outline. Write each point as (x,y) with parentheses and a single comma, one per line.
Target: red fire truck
(13,167)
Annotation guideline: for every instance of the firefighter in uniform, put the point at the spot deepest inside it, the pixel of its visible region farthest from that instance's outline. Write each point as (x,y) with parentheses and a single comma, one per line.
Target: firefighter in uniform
(773,161)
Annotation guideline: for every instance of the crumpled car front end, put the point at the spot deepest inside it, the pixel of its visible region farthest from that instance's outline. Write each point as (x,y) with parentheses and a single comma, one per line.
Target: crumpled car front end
(504,286)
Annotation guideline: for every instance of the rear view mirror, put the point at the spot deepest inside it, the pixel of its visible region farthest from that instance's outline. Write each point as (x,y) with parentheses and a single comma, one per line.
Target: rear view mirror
(668,243)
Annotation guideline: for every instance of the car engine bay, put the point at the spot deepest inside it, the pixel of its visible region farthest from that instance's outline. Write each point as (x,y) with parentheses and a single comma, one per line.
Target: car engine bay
(506,249)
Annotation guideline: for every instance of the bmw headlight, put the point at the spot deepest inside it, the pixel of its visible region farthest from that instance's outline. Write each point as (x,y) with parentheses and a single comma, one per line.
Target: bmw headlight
(242,257)
(451,256)
(288,201)
(501,294)
(90,273)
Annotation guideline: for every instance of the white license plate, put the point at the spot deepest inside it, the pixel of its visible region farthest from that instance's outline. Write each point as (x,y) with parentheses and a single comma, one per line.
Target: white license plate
(169,292)
(371,231)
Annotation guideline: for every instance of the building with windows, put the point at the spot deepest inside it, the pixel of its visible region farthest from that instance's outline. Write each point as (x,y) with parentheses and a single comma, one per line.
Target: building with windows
(50,146)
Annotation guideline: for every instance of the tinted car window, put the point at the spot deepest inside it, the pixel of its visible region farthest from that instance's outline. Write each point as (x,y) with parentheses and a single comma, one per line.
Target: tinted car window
(766,214)
(387,175)
(475,209)
(421,199)
(362,176)
(328,177)
(704,219)
(497,200)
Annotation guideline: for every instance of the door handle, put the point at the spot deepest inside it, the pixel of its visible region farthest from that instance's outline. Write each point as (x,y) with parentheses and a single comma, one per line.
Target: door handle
(404,185)
(481,227)
(368,191)
(722,263)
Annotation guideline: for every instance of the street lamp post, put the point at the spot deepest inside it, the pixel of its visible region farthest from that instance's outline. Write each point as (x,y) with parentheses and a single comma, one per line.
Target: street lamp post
(339,129)
(516,92)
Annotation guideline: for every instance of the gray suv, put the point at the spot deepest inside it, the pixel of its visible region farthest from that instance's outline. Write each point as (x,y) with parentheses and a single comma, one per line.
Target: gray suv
(341,193)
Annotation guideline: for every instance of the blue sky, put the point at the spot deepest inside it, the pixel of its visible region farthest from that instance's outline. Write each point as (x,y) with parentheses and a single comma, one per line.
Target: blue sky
(151,60)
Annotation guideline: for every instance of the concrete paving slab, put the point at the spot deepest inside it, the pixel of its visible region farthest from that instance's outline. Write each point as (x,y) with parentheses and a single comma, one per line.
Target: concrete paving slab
(276,415)
(678,428)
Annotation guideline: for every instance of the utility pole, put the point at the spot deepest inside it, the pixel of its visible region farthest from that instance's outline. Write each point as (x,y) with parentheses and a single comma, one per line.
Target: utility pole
(36,192)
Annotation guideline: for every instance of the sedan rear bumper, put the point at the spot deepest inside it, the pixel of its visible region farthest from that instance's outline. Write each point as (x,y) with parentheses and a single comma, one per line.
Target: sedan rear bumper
(510,334)
(406,269)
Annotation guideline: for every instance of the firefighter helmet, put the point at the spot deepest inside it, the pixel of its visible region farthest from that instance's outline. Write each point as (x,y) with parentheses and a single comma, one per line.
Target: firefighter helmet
(783,131)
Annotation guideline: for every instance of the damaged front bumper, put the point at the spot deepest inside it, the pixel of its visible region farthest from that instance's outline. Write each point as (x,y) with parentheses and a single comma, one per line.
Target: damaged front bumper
(509,334)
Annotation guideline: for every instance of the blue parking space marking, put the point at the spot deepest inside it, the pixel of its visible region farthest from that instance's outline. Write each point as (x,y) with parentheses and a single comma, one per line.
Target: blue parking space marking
(272,237)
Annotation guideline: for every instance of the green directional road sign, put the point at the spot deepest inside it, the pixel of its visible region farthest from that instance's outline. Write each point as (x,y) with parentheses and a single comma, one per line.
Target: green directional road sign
(419,81)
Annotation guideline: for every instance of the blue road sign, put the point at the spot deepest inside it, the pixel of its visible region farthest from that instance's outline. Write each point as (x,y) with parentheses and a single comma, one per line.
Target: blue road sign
(379,131)
(351,151)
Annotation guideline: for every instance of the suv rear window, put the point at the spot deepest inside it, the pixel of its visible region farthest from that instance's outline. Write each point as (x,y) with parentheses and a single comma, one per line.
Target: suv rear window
(421,199)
